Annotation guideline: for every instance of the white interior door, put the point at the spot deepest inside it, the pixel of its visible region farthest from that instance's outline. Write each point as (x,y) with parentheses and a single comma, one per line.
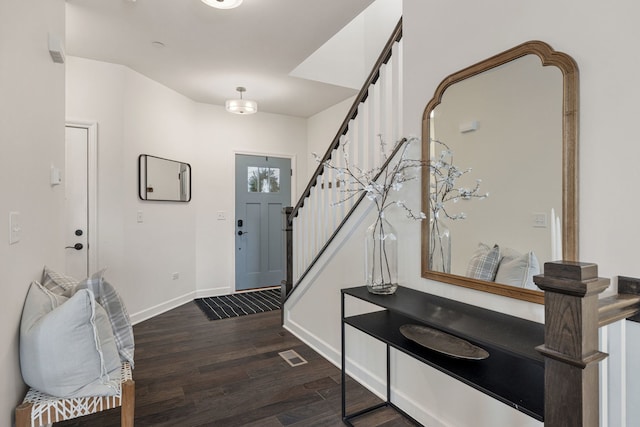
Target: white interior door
(77,178)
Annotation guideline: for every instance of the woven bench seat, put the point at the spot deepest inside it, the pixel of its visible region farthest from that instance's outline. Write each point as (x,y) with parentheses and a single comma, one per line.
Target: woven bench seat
(40,409)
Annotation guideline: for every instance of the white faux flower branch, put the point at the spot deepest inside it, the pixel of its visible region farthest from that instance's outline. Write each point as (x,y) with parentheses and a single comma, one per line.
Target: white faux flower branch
(443,175)
(355,181)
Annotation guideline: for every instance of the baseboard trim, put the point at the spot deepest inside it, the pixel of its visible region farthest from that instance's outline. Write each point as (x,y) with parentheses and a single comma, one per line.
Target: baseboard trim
(362,375)
(163,307)
(365,377)
(150,312)
(213,292)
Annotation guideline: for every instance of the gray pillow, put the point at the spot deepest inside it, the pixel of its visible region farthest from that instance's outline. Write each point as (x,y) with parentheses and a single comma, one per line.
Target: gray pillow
(67,348)
(517,269)
(484,263)
(109,299)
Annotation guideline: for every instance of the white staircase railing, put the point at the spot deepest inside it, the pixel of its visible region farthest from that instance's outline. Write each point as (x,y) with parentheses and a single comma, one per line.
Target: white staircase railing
(376,113)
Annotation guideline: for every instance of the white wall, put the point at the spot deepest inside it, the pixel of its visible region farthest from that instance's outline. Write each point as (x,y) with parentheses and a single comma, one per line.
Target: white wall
(136,116)
(443,37)
(347,58)
(31,140)
(599,37)
(321,129)
(220,136)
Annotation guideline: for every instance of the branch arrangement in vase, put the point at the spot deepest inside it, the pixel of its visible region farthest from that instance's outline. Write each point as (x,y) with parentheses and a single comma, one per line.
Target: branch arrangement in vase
(444,175)
(377,184)
(442,190)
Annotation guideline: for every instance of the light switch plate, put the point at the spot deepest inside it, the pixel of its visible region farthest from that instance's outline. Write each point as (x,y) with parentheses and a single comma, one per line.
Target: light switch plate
(15,229)
(55,176)
(539,220)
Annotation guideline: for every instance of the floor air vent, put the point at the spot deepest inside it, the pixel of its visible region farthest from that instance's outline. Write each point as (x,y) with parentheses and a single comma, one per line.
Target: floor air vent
(292,358)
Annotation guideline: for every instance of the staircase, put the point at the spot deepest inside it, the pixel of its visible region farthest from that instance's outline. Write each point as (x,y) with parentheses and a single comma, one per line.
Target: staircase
(319,214)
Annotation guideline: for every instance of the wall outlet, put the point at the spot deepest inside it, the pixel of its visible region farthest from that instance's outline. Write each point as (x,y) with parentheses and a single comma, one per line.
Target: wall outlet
(539,220)
(140,216)
(175,276)
(221,215)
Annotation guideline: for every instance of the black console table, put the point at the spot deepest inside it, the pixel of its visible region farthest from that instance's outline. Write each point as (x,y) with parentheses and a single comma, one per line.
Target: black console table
(513,373)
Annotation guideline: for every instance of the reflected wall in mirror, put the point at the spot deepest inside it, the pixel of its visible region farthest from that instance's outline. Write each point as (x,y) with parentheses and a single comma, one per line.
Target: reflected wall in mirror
(513,119)
(163,179)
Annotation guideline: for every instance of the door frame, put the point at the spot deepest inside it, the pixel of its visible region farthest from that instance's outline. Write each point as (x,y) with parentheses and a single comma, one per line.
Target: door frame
(92,187)
(292,158)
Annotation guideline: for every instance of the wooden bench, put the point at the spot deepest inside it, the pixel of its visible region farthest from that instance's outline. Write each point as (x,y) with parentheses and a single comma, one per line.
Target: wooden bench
(40,409)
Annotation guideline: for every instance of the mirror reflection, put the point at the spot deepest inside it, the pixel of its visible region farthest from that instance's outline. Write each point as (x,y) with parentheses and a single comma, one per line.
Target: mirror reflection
(162,179)
(500,124)
(506,125)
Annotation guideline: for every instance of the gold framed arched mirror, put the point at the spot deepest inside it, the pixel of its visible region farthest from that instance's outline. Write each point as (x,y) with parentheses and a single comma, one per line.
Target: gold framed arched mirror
(506,126)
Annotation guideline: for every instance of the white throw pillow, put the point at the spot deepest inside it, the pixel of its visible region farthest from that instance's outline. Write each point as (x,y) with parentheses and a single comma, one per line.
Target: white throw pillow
(484,262)
(517,269)
(67,348)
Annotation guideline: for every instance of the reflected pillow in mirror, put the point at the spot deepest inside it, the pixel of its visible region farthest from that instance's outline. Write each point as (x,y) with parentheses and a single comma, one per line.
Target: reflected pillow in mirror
(483,264)
(517,269)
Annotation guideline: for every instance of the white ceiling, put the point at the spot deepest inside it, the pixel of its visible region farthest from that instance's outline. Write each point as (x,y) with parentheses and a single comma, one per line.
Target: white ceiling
(209,52)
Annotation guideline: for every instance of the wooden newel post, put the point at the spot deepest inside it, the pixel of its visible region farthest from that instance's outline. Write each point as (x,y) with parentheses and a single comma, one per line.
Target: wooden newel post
(287,228)
(571,343)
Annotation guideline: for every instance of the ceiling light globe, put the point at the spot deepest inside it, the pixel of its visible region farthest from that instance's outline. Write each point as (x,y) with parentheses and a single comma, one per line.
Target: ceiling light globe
(241,106)
(223,4)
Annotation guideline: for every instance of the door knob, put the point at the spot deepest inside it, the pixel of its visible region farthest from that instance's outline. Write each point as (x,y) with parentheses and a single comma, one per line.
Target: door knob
(240,233)
(77,247)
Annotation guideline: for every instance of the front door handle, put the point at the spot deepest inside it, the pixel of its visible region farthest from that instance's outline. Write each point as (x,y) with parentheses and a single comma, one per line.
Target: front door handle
(240,233)
(77,247)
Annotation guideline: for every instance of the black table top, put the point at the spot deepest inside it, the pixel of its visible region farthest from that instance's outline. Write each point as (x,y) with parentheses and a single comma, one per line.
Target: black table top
(510,333)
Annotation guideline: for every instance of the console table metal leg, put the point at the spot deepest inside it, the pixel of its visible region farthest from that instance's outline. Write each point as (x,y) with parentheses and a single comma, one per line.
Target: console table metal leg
(388,374)
(346,419)
(343,376)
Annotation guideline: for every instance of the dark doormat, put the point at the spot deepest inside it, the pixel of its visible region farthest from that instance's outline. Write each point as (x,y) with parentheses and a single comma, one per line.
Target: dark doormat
(240,304)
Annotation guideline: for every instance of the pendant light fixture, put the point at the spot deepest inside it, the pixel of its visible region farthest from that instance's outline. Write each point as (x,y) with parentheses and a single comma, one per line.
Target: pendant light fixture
(241,106)
(223,4)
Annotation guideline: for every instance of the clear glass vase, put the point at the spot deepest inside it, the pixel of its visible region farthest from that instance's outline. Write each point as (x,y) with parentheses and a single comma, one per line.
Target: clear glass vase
(381,257)
(439,245)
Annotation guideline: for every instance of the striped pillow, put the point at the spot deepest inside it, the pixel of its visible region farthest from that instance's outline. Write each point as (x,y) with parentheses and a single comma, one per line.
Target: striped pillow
(107,296)
(58,283)
(483,264)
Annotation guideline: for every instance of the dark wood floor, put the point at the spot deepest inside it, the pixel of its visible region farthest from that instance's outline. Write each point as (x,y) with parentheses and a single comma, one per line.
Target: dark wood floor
(194,372)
